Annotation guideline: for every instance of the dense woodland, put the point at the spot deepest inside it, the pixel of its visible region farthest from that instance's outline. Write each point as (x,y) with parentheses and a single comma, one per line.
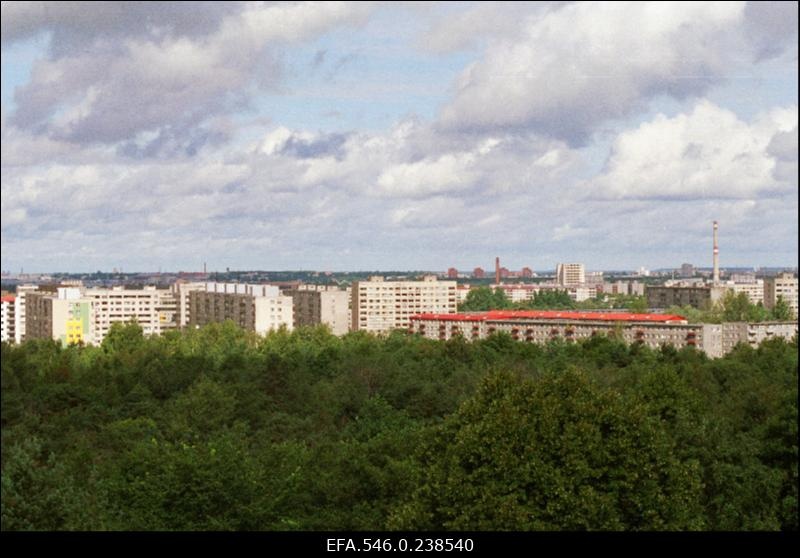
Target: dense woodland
(219,429)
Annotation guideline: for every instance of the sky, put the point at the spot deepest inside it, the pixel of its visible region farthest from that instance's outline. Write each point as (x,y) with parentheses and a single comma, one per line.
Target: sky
(364,136)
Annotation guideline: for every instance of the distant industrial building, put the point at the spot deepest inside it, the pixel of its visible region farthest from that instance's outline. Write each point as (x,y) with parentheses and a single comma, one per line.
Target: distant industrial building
(652,330)
(478,273)
(259,308)
(327,306)
(452,273)
(783,285)
(379,306)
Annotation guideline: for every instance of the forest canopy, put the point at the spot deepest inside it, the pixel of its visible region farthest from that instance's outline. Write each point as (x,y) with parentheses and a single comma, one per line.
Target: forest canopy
(220,429)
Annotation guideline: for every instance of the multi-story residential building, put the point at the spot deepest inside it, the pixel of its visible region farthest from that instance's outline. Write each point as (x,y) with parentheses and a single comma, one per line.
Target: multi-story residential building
(478,273)
(687,270)
(696,297)
(181,290)
(754,290)
(570,274)
(258,308)
(653,330)
(329,306)
(20,312)
(783,285)
(62,315)
(155,310)
(7,319)
(379,306)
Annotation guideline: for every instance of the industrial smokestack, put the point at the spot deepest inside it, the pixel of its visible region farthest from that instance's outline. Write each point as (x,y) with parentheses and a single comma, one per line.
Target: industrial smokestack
(497,270)
(716,255)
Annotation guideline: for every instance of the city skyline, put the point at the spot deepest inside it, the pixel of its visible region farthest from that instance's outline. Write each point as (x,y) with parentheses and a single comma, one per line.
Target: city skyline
(355,136)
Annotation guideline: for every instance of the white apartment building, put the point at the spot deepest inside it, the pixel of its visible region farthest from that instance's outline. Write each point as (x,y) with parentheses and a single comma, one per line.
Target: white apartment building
(155,310)
(7,319)
(570,274)
(380,306)
(785,285)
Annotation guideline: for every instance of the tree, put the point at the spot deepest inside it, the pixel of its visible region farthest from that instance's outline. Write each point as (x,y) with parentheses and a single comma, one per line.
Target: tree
(485,298)
(781,311)
(555,453)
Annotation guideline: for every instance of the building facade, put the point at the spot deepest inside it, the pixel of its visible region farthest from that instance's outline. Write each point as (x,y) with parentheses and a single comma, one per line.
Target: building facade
(696,297)
(570,274)
(259,308)
(783,285)
(653,330)
(330,307)
(380,306)
(63,316)
(155,310)
(7,328)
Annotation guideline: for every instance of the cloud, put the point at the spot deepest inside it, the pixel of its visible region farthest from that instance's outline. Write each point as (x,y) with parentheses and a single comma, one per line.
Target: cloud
(152,77)
(707,153)
(577,66)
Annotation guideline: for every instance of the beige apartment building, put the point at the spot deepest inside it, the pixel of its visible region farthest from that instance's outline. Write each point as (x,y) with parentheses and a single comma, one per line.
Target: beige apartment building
(259,308)
(155,310)
(380,306)
(20,311)
(329,306)
(753,289)
(570,274)
(784,285)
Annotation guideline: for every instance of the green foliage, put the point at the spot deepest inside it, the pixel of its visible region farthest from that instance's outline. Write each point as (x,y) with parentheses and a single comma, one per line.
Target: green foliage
(485,298)
(220,429)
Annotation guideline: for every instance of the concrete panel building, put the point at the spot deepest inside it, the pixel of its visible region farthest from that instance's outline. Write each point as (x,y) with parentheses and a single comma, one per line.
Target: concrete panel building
(784,285)
(63,316)
(155,310)
(20,311)
(379,306)
(653,330)
(7,319)
(696,297)
(258,308)
(570,274)
(330,307)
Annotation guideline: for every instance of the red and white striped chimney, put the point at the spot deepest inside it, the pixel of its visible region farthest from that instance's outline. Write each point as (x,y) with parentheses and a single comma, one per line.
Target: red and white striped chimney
(716,255)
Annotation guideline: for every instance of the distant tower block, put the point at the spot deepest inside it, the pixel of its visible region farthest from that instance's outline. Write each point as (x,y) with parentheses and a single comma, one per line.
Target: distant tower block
(716,255)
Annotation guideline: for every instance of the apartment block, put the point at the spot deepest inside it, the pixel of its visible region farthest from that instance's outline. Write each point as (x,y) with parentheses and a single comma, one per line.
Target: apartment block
(20,311)
(155,310)
(696,297)
(63,316)
(329,306)
(653,330)
(754,290)
(258,308)
(180,290)
(7,319)
(380,306)
(784,285)
(570,274)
